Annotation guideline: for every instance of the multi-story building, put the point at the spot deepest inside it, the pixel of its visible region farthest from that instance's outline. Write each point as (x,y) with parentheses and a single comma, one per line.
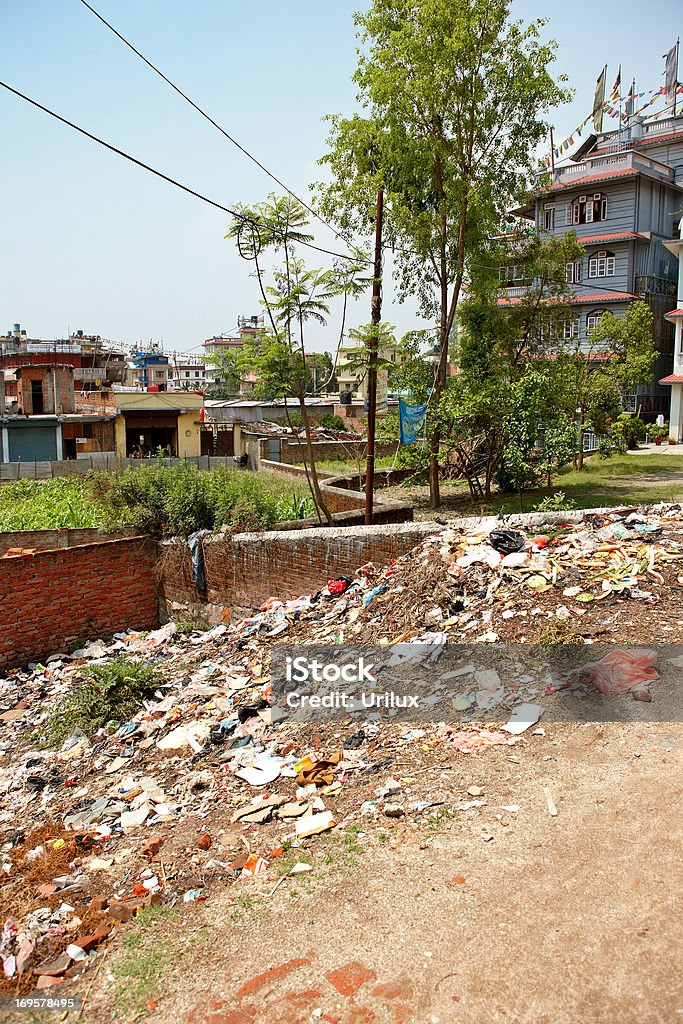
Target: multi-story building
(622,193)
(148,368)
(248,328)
(186,373)
(675,317)
(97,363)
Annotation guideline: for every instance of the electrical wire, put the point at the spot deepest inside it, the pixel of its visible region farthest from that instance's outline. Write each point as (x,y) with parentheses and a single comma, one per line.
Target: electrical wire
(159,174)
(211,120)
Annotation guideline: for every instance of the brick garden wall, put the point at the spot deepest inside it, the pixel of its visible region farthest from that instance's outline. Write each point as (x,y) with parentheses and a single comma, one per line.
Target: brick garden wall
(42,540)
(56,596)
(244,569)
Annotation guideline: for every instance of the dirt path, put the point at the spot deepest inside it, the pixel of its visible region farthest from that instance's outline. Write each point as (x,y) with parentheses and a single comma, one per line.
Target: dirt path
(572,919)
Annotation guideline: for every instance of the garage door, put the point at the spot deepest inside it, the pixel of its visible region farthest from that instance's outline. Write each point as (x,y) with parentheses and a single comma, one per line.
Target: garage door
(34,444)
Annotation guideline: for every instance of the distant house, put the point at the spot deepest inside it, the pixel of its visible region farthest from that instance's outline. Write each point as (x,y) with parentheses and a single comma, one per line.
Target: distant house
(147,422)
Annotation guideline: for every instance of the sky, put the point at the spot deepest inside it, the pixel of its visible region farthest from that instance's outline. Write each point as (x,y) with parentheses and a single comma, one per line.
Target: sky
(89,241)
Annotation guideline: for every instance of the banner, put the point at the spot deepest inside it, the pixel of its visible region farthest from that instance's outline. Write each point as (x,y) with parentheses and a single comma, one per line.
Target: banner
(410,420)
(615,95)
(670,76)
(599,100)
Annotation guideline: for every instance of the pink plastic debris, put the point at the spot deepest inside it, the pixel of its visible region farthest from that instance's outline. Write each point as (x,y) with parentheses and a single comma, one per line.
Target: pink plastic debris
(471,742)
(620,671)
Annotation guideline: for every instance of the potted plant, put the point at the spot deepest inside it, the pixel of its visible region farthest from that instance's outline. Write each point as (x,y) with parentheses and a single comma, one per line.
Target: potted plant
(659,434)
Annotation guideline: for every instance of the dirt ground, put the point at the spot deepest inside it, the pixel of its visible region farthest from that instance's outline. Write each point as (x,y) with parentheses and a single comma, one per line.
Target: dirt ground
(566,919)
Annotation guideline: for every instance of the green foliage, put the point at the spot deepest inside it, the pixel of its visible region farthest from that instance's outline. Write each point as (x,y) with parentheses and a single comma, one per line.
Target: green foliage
(629,430)
(330,421)
(174,501)
(228,376)
(412,376)
(114,691)
(557,502)
(414,456)
(658,433)
(48,505)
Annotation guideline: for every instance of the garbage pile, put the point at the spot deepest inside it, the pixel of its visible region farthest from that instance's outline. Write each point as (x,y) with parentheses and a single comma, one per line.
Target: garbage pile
(609,575)
(204,785)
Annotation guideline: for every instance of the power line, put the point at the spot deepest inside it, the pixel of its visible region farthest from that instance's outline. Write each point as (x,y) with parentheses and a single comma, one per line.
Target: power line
(208,117)
(159,174)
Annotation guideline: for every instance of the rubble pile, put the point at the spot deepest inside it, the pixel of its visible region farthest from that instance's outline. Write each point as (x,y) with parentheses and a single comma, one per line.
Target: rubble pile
(207,785)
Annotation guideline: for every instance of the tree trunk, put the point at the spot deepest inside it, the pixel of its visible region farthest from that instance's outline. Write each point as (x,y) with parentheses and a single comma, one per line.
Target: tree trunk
(579,454)
(314,482)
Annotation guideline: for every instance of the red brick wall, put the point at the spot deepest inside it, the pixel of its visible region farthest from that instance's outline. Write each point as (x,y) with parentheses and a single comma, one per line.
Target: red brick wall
(42,540)
(244,569)
(92,590)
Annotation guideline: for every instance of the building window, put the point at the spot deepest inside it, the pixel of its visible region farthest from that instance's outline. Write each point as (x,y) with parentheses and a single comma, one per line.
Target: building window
(593,319)
(574,272)
(159,374)
(197,373)
(587,209)
(602,264)
(187,373)
(548,218)
(570,329)
(513,275)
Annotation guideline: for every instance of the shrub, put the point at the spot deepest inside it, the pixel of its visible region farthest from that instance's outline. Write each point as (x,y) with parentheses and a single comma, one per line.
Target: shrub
(557,502)
(330,421)
(114,691)
(176,501)
(627,431)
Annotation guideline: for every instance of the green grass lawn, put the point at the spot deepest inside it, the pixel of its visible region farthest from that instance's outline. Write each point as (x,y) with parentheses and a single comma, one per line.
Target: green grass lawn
(637,478)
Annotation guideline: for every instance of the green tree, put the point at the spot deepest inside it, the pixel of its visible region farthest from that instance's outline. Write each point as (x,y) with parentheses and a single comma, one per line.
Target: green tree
(292,295)
(595,374)
(454,96)
(508,382)
(227,378)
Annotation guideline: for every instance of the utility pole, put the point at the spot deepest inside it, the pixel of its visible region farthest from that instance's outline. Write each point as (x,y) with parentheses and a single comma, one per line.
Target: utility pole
(375,317)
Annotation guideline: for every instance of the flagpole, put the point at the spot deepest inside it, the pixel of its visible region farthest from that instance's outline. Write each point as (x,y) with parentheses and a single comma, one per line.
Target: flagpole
(552,153)
(678,43)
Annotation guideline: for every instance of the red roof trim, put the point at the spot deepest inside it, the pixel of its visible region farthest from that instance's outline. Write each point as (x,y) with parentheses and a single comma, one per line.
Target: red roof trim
(673,378)
(674,312)
(615,236)
(576,300)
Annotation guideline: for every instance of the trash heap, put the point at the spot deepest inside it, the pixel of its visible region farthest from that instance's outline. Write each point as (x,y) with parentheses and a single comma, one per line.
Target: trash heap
(203,786)
(608,575)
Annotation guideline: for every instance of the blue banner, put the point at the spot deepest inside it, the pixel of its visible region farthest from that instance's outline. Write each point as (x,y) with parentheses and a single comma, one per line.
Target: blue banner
(410,420)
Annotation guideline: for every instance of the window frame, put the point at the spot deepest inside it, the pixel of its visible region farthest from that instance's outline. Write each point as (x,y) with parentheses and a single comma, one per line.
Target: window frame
(594,208)
(596,317)
(602,264)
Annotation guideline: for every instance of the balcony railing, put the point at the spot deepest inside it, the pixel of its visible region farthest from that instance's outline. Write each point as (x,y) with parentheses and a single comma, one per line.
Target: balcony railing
(613,162)
(648,285)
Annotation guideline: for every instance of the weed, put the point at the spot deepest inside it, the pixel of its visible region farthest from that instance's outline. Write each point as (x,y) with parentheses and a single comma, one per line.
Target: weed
(186,626)
(438,816)
(145,959)
(113,691)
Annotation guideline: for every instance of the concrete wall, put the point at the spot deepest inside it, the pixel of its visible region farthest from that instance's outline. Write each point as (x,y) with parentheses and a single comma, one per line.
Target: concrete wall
(96,460)
(51,598)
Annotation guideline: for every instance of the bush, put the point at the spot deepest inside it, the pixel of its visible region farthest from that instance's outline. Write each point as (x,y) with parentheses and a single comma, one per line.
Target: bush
(330,421)
(557,502)
(114,691)
(171,501)
(627,431)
